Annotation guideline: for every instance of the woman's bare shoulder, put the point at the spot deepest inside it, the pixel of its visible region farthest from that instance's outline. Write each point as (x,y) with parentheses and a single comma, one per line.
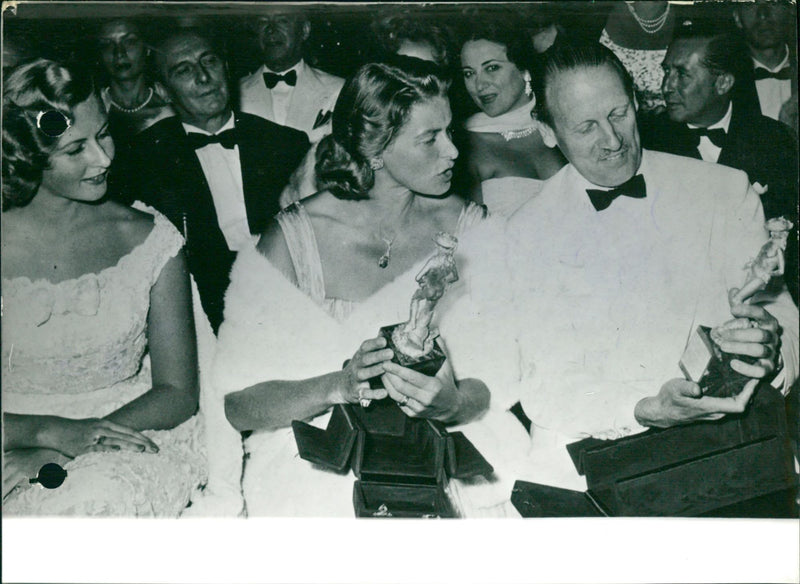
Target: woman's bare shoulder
(131,225)
(446,212)
(272,245)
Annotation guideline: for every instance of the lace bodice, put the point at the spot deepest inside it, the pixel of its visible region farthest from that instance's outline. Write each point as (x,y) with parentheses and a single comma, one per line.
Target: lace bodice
(302,243)
(83,335)
(645,68)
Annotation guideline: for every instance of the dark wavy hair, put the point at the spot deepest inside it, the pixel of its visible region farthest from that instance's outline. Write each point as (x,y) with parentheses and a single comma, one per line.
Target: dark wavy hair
(570,56)
(503,29)
(373,106)
(29,90)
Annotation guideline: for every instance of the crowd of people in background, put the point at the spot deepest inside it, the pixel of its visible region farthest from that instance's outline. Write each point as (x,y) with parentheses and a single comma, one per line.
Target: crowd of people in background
(217,191)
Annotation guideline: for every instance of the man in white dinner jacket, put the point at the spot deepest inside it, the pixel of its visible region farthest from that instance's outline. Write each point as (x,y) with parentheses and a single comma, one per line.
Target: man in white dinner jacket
(285,89)
(622,255)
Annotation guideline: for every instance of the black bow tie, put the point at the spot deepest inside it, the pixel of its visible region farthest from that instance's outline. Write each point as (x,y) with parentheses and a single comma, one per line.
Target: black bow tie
(762,73)
(272,79)
(633,187)
(717,136)
(226,139)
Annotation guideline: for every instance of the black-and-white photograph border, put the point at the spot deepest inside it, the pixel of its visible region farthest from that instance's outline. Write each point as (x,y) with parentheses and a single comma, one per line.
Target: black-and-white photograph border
(285,282)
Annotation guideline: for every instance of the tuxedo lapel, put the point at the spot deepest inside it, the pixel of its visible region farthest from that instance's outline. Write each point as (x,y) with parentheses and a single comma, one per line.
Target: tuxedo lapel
(254,156)
(307,101)
(261,96)
(191,195)
(735,152)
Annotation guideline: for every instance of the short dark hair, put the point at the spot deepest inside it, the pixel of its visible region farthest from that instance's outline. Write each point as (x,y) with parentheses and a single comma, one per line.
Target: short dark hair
(570,56)
(28,91)
(725,51)
(373,106)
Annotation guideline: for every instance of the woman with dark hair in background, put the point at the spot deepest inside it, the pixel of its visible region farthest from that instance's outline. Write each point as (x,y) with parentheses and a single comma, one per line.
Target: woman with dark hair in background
(132,98)
(99,361)
(506,159)
(338,266)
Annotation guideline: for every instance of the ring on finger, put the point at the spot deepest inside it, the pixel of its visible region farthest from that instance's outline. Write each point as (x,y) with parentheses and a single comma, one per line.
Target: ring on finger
(362,400)
(403,400)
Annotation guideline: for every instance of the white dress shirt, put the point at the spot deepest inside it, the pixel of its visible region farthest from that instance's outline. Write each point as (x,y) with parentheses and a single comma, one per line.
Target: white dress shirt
(282,92)
(773,93)
(708,150)
(223,171)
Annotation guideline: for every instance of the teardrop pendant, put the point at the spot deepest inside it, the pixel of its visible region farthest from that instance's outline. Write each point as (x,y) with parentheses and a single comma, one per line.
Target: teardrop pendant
(384,259)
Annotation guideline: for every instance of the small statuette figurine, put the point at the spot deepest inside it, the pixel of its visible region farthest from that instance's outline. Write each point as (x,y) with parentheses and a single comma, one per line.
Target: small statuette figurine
(769,262)
(415,338)
(703,361)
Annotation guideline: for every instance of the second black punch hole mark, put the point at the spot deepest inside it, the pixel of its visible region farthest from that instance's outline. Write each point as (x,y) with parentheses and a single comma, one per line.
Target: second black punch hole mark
(51,476)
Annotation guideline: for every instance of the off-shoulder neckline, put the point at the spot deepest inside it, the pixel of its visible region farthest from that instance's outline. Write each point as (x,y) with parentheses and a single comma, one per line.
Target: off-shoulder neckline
(123,259)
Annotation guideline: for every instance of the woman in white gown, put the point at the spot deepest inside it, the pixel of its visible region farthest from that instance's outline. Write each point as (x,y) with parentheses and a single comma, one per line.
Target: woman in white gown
(327,274)
(99,361)
(506,158)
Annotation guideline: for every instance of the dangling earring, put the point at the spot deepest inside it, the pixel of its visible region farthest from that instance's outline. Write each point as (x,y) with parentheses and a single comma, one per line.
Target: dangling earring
(528,89)
(376,163)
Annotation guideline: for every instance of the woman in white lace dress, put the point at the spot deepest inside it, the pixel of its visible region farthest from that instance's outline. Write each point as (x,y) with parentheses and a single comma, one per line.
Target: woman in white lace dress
(506,158)
(99,365)
(327,274)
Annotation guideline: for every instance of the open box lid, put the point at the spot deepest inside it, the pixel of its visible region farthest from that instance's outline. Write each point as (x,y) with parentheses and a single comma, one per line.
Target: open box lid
(381,443)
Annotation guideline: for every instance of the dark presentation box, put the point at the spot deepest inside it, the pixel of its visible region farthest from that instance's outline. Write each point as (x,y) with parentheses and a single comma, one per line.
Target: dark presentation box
(738,465)
(402,463)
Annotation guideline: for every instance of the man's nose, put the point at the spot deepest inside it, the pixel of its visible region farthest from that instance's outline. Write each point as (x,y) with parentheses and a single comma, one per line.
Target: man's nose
(668,84)
(202,75)
(611,138)
(450,150)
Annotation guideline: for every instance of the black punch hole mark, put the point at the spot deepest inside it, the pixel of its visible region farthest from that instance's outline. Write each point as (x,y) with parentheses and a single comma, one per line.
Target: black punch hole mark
(53,123)
(51,476)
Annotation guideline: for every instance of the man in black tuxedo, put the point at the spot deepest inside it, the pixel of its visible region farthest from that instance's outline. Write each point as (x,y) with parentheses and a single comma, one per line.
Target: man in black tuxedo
(707,118)
(768,28)
(217,174)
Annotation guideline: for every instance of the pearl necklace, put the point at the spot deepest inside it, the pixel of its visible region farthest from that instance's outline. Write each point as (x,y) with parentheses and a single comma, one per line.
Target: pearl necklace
(650,26)
(127,110)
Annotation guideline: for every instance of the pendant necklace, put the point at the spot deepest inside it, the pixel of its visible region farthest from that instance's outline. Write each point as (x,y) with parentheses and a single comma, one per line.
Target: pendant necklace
(383,261)
(387,255)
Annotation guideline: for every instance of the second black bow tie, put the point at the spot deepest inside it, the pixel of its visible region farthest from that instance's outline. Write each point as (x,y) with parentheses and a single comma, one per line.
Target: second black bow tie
(272,79)
(226,139)
(717,135)
(762,73)
(634,187)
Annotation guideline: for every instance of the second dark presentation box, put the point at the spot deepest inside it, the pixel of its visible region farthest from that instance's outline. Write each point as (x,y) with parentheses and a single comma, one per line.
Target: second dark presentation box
(694,469)
(739,466)
(402,463)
